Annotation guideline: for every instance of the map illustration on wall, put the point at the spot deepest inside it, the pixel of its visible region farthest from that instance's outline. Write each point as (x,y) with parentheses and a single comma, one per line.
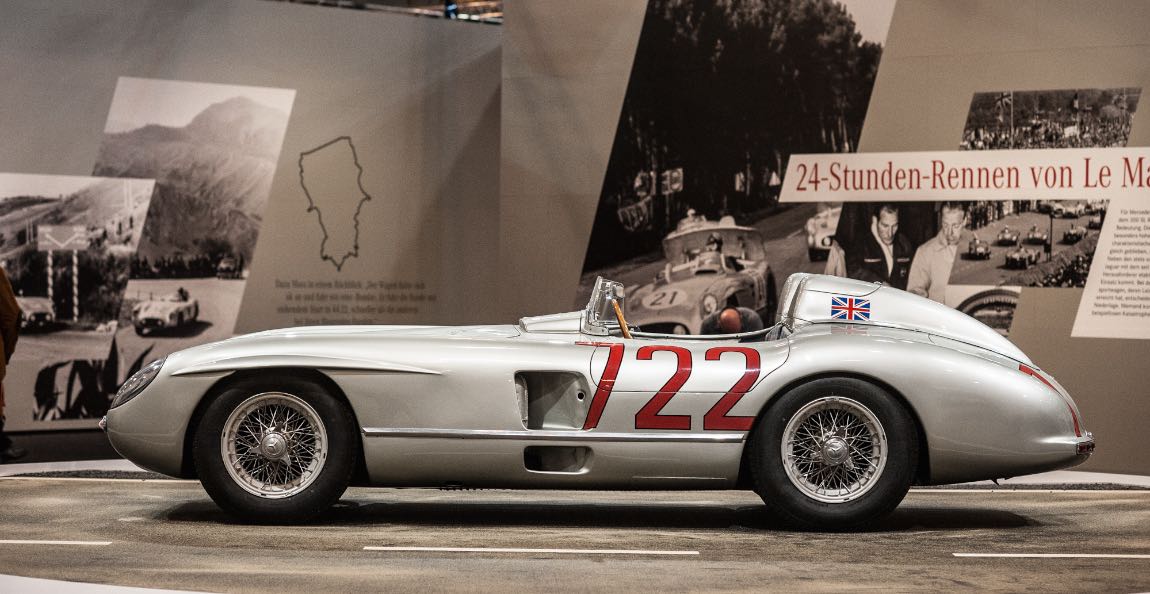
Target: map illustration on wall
(332,181)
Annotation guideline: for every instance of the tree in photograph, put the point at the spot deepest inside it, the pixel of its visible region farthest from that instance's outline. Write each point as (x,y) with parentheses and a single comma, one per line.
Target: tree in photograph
(727,90)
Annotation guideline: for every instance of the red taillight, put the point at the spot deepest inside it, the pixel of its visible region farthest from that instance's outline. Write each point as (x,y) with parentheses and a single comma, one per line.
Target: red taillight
(1033,373)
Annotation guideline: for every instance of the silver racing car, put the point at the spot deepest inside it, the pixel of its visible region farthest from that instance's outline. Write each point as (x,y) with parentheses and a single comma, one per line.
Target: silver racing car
(858,392)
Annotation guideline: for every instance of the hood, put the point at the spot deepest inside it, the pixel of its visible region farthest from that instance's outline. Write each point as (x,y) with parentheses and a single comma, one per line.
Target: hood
(364,348)
(337,332)
(813,299)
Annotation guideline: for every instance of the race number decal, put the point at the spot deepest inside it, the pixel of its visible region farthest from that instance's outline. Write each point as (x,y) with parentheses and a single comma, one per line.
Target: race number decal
(606,383)
(648,417)
(664,298)
(716,419)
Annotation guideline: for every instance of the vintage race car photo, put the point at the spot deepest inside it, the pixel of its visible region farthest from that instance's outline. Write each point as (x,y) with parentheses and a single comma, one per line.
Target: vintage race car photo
(859,391)
(1074,234)
(709,265)
(821,230)
(1095,222)
(1022,257)
(1036,235)
(978,249)
(36,313)
(228,267)
(1007,236)
(166,312)
(1069,210)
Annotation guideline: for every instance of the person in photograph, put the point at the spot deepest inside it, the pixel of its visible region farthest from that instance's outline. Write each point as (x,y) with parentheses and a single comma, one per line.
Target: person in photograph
(883,255)
(836,260)
(933,261)
(9,332)
(732,320)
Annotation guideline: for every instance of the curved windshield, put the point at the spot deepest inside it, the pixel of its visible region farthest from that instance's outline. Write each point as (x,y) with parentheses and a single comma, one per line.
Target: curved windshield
(600,313)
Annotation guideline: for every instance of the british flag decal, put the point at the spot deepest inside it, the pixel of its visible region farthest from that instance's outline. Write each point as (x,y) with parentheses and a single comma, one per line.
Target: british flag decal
(850,309)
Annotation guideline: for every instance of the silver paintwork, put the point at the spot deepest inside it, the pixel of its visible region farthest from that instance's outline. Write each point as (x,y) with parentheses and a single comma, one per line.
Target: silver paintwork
(559,436)
(415,390)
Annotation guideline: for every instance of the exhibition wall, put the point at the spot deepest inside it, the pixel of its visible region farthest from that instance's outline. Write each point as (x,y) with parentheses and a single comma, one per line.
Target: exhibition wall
(941,53)
(939,63)
(311,166)
(304,165)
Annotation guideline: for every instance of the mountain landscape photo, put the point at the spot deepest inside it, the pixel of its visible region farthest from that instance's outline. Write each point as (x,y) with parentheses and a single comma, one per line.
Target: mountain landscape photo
(212,177)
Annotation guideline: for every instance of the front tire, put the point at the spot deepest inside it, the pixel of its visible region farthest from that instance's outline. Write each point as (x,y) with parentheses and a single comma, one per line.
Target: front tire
(275,450)
(833,454)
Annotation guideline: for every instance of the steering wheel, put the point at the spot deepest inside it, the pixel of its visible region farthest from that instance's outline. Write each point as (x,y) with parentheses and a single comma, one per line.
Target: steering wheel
(622,322)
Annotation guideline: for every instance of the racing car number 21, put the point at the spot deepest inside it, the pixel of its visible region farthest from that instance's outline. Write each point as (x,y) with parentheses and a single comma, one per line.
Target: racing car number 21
(664,299)
(649,416)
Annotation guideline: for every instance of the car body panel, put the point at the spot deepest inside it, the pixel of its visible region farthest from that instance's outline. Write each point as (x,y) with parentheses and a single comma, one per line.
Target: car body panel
(459,406)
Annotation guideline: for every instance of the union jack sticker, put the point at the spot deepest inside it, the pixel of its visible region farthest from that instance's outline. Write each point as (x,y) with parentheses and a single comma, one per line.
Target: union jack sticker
(850,309)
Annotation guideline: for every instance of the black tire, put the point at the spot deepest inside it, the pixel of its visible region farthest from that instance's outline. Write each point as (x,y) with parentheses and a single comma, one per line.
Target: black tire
(790,503)
(329,483)
(141,331)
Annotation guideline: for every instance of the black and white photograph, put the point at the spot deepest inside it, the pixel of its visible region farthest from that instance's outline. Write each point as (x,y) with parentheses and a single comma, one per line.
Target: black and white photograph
(974,255)
(66,244)
(1039,243)
(720,95)
(212,150)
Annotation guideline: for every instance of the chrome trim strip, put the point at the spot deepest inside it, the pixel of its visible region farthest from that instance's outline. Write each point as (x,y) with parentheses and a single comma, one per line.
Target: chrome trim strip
(574,435)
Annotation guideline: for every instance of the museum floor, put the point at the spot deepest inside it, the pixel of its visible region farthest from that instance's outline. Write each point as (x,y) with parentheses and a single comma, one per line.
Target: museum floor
(169,534)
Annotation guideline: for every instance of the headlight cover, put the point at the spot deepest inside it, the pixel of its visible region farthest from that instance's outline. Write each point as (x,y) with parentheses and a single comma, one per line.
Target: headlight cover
(710,304)
(136,384)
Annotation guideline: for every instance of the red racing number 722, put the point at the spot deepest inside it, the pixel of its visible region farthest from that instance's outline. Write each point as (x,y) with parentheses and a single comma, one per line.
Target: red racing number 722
(649,417)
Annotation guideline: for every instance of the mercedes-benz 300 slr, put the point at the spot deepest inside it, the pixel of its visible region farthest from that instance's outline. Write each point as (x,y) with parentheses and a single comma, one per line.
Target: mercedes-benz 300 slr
(858,392)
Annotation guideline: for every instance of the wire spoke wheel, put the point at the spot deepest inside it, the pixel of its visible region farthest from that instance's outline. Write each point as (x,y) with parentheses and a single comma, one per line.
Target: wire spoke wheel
(274,445)
(834,449)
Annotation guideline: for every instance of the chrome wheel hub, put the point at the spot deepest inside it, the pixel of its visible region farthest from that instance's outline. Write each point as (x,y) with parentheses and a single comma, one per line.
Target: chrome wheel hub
(834,449)
(274,445)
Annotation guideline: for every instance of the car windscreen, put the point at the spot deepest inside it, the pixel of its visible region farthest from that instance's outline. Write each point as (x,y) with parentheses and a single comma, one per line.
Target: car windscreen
(744,244)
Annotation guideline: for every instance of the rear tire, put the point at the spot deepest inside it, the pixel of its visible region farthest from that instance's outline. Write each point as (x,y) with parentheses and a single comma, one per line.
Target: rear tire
(275,450)
(833,454)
